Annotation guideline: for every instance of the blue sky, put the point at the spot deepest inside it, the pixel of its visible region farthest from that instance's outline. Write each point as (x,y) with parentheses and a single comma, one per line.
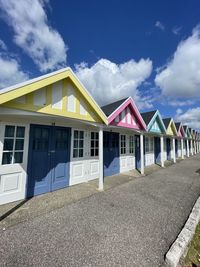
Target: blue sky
(147,49)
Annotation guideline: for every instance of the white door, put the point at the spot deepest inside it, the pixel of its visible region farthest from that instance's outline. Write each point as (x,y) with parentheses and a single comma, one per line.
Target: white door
(149,151)
(84,164)
(123,152)
(13,161)
(127,152)
(131,157)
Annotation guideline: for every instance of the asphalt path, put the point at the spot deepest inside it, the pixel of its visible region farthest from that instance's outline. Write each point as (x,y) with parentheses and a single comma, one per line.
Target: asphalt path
(133,224)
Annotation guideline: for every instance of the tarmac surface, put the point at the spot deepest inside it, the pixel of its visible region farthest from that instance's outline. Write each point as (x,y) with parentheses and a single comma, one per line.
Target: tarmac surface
(131,224)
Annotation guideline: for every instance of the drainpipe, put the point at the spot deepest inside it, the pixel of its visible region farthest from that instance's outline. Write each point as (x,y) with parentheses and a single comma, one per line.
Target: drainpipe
(174,150)
(182,154)
(162,151)
(142,152)
(188,153)
(101,158)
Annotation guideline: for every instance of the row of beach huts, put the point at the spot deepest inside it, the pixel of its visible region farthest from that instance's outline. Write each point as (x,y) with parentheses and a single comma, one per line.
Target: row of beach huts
(54,135)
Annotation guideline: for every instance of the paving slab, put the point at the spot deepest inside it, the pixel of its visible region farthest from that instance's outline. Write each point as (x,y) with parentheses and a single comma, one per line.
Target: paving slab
(132,224)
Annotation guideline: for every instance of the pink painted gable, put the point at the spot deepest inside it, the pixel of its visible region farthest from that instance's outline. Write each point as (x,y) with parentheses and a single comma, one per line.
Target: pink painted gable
(128,116)
(181,132)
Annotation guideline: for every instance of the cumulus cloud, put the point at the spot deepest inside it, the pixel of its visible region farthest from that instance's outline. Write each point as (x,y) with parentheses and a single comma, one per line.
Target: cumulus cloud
(191,117)
(3,45)
(180,103)
(181,76)
(159,25)
(179,111)
(108,81)
(10,72)
(32,32)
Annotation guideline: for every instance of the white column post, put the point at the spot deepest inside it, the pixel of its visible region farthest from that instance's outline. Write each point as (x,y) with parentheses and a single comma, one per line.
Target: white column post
(101,158)
(191,147)
(174,150)
(195,148)
(162,151)
(188,152)
(142,152)
(182,154)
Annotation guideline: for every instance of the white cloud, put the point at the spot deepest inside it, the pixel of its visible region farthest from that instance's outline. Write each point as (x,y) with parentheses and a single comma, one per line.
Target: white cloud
(191,117)
(176,30)
(180,103)
(10,72)
(33,33)
(159,25)
(3,45)
(181,76)
(179,111)
(108,81)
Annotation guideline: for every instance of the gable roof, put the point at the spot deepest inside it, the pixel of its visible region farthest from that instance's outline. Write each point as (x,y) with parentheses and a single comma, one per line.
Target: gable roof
(180,129)
(110,108)
(186,129)
(170,126)
(18,90)
(114,109)
(147,116)
(150,118)
(166,122)
(178,125)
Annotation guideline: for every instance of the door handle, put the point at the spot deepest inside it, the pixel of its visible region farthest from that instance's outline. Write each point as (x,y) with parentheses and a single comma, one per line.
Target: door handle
(52,151)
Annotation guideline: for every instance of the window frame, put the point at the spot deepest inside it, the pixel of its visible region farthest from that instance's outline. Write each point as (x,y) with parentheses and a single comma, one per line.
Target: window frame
(123,144)
(83,148)
(149,145)
(95,148)
(132,144)
(25,145)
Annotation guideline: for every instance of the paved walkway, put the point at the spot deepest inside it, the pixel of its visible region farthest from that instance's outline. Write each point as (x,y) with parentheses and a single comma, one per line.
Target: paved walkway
(132,224)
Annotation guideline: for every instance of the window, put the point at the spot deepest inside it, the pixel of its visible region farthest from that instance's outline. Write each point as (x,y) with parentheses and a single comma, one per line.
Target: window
(123,144)
(13,146)
(131,144)
(149,144)
(146,144)
(78,144)
(115,141)
(61,139)
(94,144)
(179,144)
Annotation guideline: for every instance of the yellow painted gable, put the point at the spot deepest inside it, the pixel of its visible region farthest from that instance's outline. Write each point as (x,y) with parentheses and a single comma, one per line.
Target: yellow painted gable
(64,97)
(171,130)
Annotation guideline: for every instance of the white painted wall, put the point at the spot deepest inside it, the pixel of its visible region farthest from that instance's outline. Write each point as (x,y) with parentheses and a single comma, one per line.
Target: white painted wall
(13,176)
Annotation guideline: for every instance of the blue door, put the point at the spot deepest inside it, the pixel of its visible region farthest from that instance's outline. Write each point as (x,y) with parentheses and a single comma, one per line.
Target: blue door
(111,153)
(157,150)
(49,156)
(168,145)
(176,147)
(137,153)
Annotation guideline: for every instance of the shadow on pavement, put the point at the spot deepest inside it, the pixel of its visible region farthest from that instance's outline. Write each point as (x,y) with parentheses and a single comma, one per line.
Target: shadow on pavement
(6,214)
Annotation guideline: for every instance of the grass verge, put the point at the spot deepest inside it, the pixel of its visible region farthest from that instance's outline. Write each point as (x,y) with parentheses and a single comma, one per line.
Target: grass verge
(192,258)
